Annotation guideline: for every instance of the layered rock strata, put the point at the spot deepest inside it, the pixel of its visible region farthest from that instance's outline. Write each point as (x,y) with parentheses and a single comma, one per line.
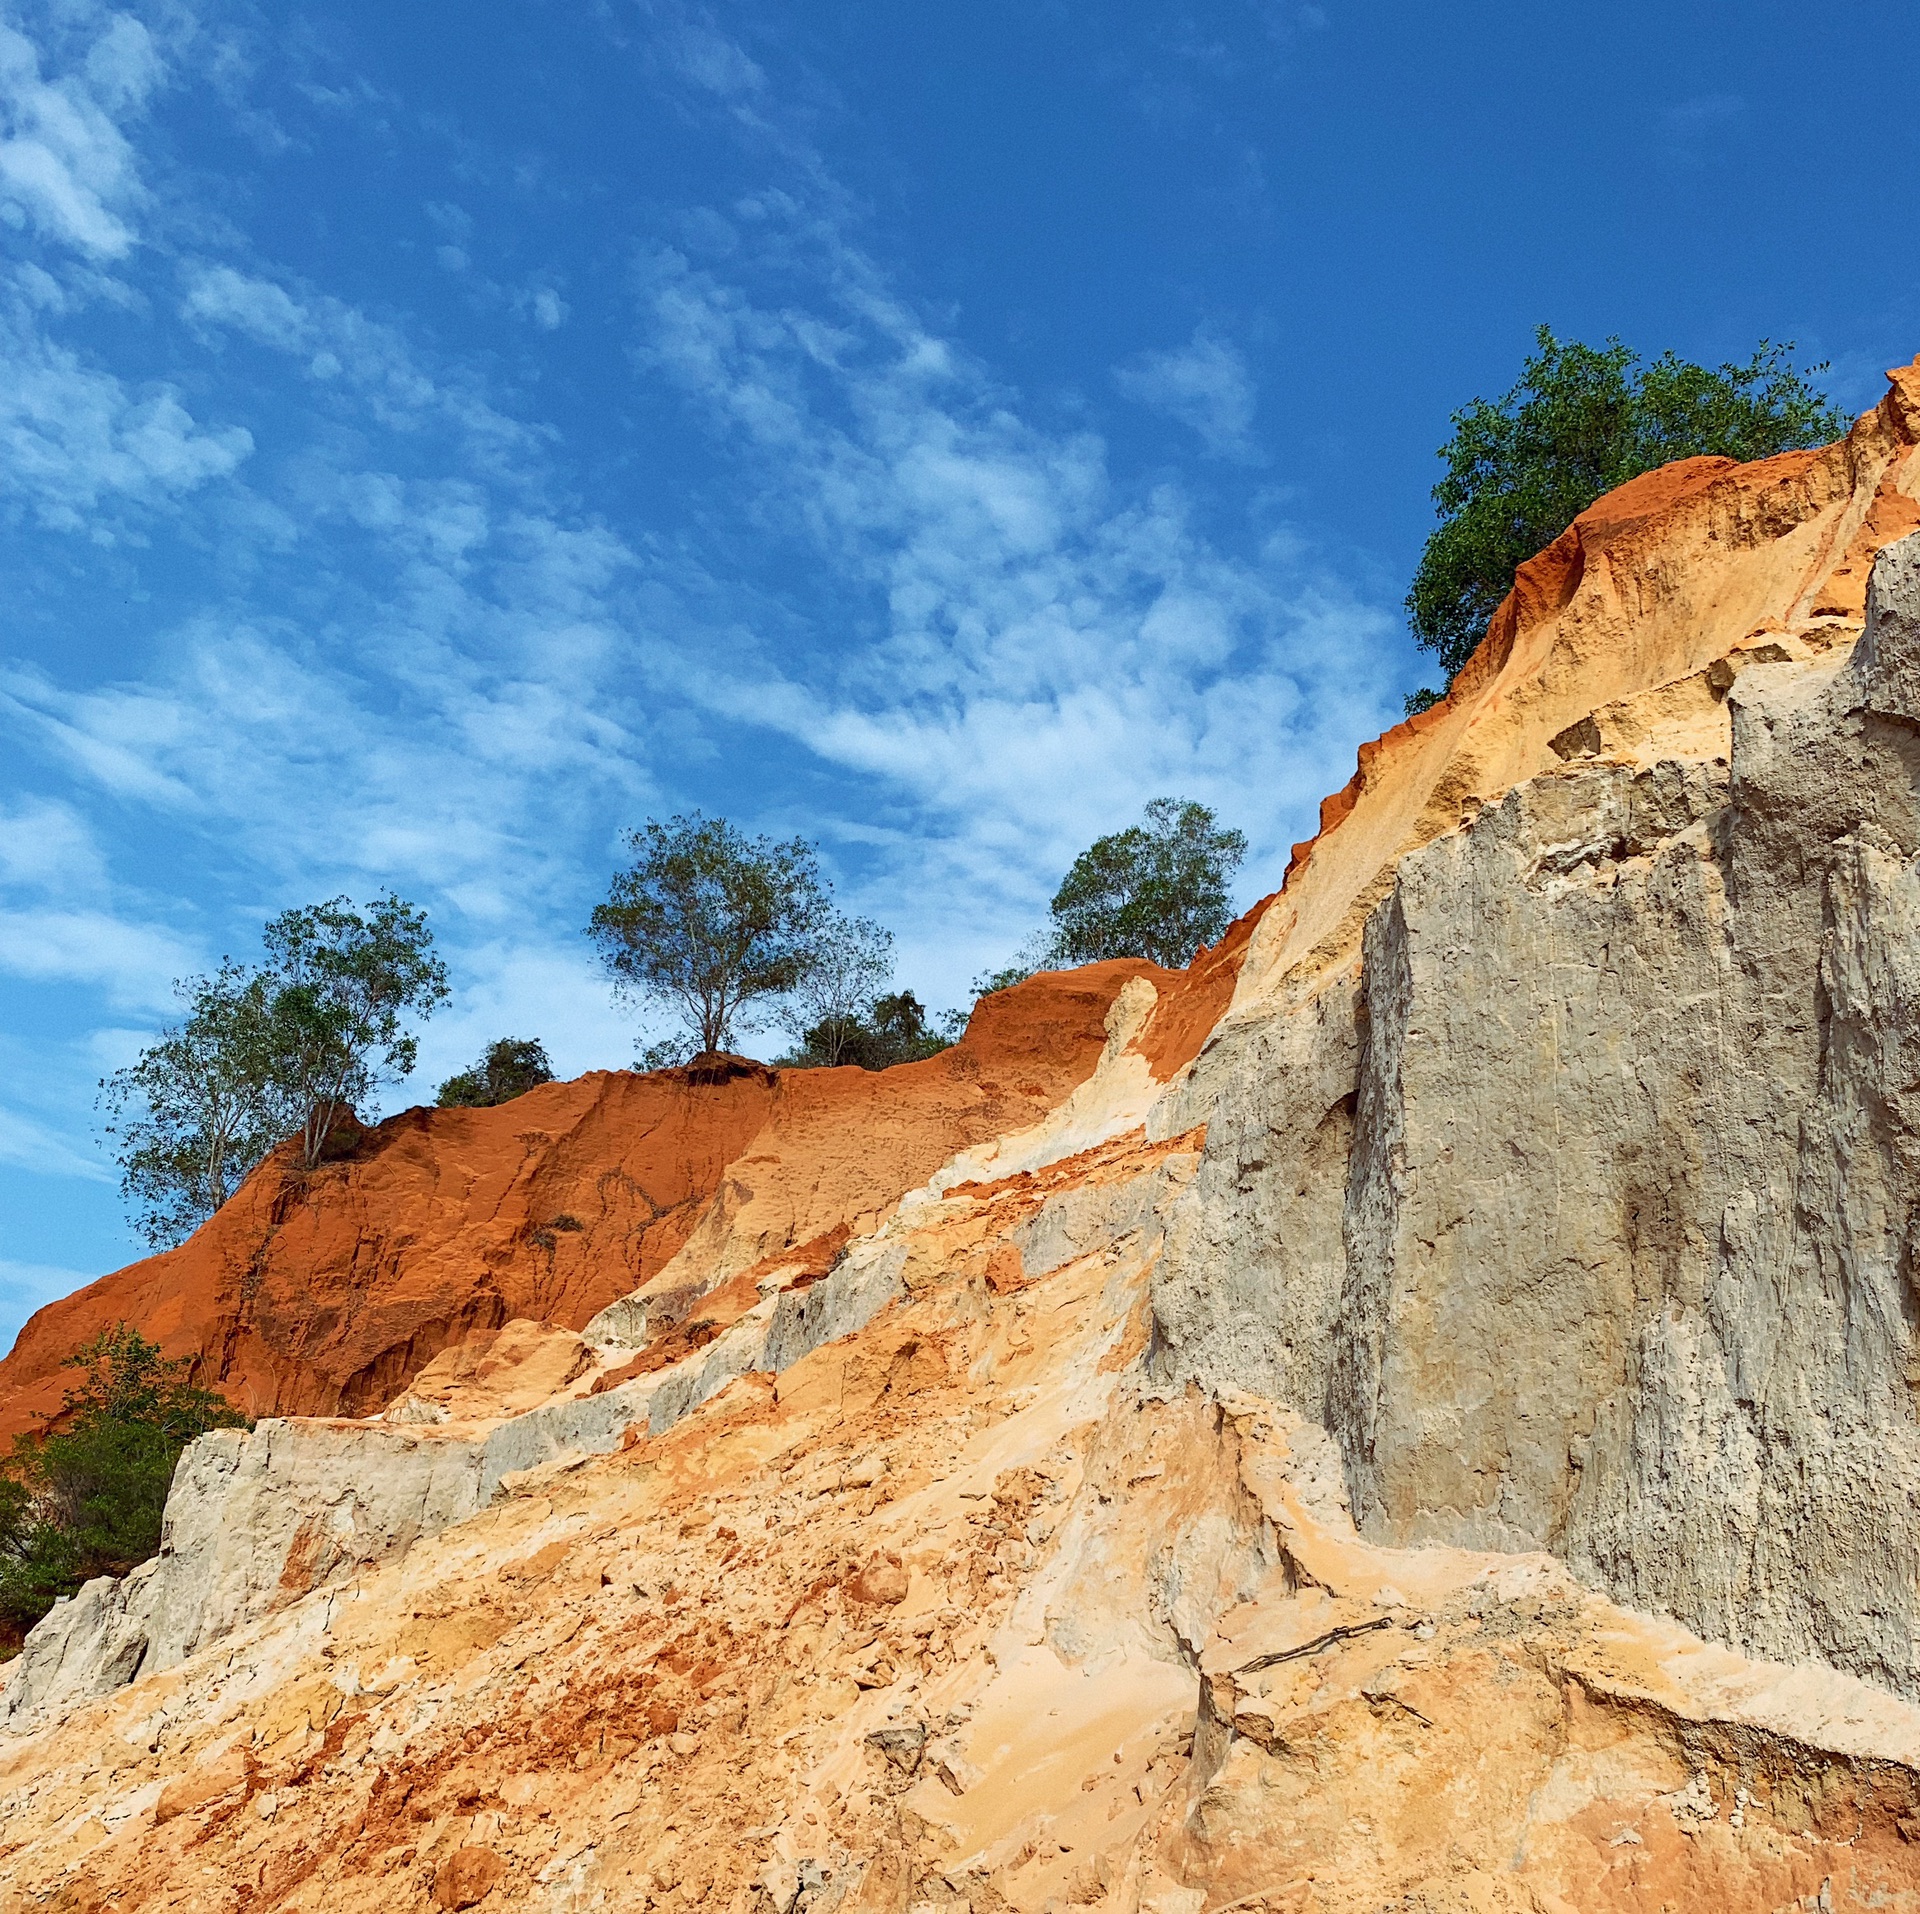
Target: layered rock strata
(1419,1414)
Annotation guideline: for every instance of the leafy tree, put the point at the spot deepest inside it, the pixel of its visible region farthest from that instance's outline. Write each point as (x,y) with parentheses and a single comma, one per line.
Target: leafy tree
(710,923)
(852,961)
(1580,421)
(510,1068)
(267,1053)
(1156,890)
(342,981)
(87,1500)
(197,1110)
(892,1029)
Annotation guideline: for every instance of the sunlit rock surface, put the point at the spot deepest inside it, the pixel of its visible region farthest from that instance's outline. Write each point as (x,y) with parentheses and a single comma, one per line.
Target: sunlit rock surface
(1416,1411)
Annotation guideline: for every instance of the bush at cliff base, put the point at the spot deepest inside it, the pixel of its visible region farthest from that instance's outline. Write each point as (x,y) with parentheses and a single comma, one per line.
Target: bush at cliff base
(86,1499)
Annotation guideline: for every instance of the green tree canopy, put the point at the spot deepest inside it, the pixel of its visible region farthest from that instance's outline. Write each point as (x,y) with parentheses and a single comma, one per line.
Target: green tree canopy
(199,1108)
(850,964)
(87,1500)
(891,1029)
(710,923)
(267,1052)
(344,980)
(1580,421)
(1156,890)
(511,1067)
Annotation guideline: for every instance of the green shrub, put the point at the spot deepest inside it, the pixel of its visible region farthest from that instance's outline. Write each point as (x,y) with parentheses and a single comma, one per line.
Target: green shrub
(511,1067)
(1156,890)
(1581,421)
(87,1499)
(895,1029)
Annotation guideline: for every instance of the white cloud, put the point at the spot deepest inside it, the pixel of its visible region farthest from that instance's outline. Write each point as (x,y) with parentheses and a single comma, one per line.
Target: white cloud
(257,307)
(28,1144)
(64,162)
(1204,384)
(1052,651)
(49,846)
(72,436)
(133,964)
(26,1287)
(714,62)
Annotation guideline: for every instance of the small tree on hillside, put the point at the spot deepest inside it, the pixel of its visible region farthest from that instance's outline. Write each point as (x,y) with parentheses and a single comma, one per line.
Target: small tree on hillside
(343,980)
(268,1053)
(1580,421)
(198,1109)
(510,1068)
(1156,890)
(87,1500)
(851,963)
(710,923)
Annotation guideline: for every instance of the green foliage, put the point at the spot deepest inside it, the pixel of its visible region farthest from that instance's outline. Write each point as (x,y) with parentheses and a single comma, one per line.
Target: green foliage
(850,963)
(266,1053)
(710,923)
(201,1107)
(343,981)
(87,1500)
(1156,890)
(892,1029)
(1580,421)
(510,1068)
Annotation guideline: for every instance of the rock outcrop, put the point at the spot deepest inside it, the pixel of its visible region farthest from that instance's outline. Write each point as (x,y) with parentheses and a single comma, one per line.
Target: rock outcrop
(324,1294)
(1416,1411)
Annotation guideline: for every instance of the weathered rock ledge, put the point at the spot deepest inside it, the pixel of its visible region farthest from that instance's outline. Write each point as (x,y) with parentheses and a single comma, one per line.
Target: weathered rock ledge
(1417,1411)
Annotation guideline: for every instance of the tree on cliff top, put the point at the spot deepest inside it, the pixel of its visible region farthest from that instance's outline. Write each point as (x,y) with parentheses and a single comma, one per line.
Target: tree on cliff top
(277,1050)
(344,980)
(1580,421)
(710,923)
(87,1500)
(850,964)
(198,1109)
(1156,890)
(511,1067)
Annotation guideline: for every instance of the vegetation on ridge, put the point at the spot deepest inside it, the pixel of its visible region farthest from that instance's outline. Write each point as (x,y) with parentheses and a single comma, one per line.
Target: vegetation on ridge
(1579,421)
(286,1048)
(1158,890)
(511,1067)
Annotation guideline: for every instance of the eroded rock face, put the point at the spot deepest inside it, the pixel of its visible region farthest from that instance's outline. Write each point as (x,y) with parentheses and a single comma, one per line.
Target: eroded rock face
(1580,1212)
(326,1294)
(1419,1415)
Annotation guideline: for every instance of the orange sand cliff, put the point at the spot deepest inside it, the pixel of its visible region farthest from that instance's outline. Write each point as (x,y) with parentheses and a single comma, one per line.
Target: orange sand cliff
(325,1294)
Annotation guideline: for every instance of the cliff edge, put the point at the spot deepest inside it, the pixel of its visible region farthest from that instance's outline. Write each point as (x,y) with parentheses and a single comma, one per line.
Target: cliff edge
(1416,1411)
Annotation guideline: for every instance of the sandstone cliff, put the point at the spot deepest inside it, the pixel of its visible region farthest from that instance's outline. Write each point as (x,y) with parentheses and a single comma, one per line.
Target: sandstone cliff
(1417,1411)
(324,1294)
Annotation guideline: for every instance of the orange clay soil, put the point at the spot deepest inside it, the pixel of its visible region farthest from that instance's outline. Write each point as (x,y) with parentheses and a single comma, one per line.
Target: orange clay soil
(1646,595)
(324,1294)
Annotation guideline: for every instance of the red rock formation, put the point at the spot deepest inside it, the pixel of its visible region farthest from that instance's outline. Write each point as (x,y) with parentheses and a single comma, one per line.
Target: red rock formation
(325,1293)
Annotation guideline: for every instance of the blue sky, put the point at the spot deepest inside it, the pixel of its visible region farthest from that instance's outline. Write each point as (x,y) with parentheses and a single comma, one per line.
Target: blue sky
(435,437)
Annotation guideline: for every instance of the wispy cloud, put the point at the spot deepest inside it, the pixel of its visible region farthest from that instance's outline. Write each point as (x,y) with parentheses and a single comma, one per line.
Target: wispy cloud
(1697,122)
(30,1145)
(1047,649)
(72,435)
(66,164)
(1204,384)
